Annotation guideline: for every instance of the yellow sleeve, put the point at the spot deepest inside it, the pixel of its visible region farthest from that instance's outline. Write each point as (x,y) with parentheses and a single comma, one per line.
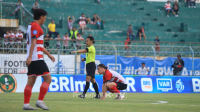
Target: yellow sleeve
(90,49)
(49,25)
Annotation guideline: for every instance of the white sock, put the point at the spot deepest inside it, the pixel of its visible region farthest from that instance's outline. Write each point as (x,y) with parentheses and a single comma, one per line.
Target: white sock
(25,105)
(39,101)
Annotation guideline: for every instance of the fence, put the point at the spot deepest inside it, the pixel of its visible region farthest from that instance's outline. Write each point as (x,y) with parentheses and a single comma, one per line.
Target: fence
(25,17)
(13,56)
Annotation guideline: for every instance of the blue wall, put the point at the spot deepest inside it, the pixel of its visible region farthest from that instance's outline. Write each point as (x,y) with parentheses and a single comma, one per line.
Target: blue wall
(139,84)
(127,65)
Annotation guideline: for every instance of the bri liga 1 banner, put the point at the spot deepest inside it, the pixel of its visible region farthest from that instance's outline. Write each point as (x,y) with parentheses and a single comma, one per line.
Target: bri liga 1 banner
(76,83)
(136,84)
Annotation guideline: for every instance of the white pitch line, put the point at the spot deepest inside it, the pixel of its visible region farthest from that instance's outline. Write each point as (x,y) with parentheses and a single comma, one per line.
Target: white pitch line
(194,105)
(160,102)
(157,101)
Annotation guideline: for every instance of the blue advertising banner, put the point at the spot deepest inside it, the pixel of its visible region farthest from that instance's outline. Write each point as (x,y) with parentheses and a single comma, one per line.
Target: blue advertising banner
(139,84)
(195,84)
(129,65)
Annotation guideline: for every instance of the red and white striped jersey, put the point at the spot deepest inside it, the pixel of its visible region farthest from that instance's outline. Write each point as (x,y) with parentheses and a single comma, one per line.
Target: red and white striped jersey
(19,36)
(113,76)
(167,6)
(15,37)
(35,31)
(12,37)
(82,23)
(6,37)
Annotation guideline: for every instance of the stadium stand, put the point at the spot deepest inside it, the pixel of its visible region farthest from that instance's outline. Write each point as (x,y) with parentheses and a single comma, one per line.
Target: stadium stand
(177,34)
(116,15)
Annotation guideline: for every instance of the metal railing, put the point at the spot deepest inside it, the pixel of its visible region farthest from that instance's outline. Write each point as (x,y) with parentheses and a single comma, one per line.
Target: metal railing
(51,44)
(24,16)
(67,63)
(149,43)
(104,48)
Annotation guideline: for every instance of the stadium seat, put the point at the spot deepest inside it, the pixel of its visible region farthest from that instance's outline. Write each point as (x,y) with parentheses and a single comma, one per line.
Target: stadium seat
(116,15)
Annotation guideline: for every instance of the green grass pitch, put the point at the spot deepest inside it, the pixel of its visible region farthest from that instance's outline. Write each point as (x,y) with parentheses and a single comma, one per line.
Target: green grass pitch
(134,102)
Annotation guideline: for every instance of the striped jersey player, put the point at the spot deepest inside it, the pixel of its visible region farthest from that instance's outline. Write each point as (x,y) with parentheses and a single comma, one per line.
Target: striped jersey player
(35,62)
(112,81)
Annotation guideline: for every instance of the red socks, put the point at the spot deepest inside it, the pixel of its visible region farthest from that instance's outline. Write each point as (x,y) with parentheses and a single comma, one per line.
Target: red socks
(43,90)
(27,94)
(28,90)
(113,89)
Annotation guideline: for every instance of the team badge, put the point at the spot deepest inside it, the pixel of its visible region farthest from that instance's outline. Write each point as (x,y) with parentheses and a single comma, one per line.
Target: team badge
(35,32)
(179,85)
(8,83)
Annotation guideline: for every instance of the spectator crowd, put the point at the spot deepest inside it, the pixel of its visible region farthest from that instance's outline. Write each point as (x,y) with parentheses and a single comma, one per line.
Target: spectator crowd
(74,34)
(12,40)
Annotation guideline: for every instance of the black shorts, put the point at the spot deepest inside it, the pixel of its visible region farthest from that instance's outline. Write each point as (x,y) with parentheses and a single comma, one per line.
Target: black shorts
(90,69)
(38,68)
(121,86)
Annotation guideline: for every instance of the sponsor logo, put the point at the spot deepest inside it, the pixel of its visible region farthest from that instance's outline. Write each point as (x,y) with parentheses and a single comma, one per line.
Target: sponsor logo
(114,67)
(35,32)
(13,66)
(146,84)
(130,84)
(70,83)
(196,84)
(62,68)
(179,85)
(108,95)
(164,84)
(8,83)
